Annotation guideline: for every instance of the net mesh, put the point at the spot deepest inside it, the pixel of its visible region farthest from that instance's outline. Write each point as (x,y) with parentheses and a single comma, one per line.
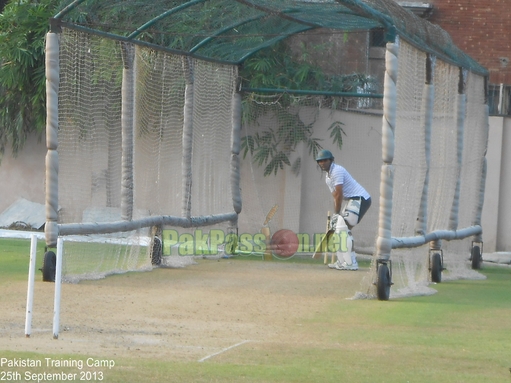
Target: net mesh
(90,144)
(437,166)
(280,134)
(285,130)
(409,157)
(159,116)
(160,102)
(227,30)
(475,140)
(89,122)
(443,174)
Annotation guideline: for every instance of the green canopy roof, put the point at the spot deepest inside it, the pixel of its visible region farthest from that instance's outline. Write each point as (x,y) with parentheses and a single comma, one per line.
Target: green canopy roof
(230,31)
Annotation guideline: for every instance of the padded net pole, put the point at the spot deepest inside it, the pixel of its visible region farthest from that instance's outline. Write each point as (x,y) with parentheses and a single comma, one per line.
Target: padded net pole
(127,126)
(479,208)
(461,110)
(480,200)
(428,100)
(187,138)
(235,152)
(384,240)
(52,121)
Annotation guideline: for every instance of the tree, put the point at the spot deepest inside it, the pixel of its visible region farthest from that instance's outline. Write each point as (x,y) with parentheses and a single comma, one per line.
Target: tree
(278,68)
(23,26)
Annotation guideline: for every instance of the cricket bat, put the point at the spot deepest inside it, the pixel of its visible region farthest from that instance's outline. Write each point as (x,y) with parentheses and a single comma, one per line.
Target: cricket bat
(232,247)
(268,256)
(322,245)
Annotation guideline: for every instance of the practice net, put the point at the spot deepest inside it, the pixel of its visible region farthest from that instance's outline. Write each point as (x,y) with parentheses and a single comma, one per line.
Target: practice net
(440,141)
(174,173)
(439,168)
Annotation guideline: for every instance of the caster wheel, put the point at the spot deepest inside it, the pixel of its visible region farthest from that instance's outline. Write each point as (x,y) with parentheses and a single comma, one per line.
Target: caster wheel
(476,257)
(436,268)
(49,266)
(384,283)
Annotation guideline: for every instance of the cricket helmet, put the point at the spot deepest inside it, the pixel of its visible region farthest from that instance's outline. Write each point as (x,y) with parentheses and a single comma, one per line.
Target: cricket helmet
(324,155)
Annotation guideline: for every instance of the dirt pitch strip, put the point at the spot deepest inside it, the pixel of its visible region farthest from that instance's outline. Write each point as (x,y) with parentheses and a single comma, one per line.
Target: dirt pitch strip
(204,311)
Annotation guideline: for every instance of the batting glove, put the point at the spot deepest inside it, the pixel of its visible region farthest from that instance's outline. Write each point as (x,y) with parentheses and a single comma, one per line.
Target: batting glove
(333,221)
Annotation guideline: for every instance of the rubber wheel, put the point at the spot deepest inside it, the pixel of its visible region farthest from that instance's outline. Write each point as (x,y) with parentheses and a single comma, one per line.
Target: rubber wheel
(156,254)
(436,268)
(383,285)
(476,257)
(49,266)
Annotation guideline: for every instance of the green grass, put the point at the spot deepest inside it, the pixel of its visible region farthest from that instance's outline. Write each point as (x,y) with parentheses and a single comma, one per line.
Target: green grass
(461,334)
(15,259)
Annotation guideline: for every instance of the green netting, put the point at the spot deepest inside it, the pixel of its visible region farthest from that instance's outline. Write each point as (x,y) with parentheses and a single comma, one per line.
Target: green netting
(232,30)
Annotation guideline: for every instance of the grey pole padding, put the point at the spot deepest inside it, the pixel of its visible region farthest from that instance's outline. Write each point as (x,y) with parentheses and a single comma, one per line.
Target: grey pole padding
(448,235)
(479,207)
(390,101)
(52,121)
(187,137)
(127,127)
(235,152)
(123,226)
(461,110)
(384,240)
(427,108)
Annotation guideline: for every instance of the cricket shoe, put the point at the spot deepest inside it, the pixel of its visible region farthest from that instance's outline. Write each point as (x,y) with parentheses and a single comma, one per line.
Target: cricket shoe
(343,266)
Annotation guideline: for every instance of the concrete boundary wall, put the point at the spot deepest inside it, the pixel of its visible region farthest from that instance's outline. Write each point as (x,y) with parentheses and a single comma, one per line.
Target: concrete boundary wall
(23,177)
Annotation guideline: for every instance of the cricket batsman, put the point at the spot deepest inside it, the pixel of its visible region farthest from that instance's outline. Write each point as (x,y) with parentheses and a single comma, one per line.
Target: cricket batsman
(344,187)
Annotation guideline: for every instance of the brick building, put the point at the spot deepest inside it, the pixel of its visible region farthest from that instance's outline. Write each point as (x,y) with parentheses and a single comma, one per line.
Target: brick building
(482,29)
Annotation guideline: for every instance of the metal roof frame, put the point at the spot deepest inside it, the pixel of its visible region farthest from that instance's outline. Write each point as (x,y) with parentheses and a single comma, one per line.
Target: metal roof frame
(297,16)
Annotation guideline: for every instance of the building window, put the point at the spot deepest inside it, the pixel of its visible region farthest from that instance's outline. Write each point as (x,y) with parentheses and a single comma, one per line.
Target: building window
(499,100)
(377,38)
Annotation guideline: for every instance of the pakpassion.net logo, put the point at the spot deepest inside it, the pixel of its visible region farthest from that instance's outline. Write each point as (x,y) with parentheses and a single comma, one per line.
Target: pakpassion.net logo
(216,242)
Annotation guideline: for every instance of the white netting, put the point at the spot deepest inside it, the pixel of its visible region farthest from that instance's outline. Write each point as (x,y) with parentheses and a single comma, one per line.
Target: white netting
(92,154)
(99,255)
(475,141)
(409,157)
(214,85)
(444,169)
(158,142)
(430,169)
(89,125)
(283,129)
(160,99)
(298,188)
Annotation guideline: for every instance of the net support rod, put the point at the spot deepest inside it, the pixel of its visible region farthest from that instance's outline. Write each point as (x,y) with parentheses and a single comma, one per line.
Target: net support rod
(123,226)
(52,68)
(31,281)
(384,239)
(58,286)
(187,138)
(479,207)
(448,235)
(311,92)
(482,185)
(235,152)
(461,103)
(127,127)
(427,109)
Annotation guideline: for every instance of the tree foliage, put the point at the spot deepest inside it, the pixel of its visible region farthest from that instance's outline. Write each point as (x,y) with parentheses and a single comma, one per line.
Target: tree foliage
(23,25)
(279,68)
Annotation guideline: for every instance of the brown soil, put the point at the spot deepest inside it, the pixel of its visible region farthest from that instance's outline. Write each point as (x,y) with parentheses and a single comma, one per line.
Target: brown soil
(193,313)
